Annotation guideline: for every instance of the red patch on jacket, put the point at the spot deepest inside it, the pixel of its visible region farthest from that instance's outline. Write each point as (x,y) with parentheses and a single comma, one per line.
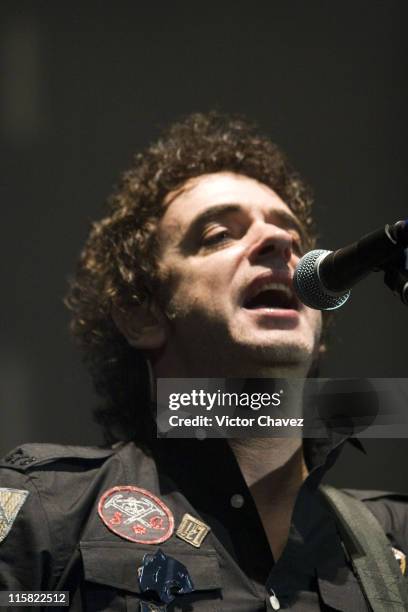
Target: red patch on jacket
(136,515)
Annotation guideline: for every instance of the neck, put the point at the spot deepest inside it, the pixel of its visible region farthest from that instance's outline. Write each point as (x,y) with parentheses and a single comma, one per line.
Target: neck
(273,468)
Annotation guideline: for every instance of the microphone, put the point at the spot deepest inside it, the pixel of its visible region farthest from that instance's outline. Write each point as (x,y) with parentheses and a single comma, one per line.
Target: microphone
(323,279)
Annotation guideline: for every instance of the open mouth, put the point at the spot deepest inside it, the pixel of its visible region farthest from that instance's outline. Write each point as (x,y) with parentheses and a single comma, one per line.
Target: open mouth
(271,296)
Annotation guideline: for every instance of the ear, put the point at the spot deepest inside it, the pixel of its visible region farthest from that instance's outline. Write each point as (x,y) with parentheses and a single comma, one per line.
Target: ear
(143,325)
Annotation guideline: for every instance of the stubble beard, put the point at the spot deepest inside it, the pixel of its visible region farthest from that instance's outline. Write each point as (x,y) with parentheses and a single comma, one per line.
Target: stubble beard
(210,350)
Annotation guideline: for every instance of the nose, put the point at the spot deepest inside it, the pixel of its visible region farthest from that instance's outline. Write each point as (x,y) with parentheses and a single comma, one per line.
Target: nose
(272,243)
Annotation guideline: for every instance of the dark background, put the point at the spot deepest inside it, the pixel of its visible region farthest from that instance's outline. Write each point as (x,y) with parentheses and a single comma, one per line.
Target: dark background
(84,86)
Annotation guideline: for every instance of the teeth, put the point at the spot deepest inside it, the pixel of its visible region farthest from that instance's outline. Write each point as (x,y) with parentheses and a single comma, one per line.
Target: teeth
(275,287)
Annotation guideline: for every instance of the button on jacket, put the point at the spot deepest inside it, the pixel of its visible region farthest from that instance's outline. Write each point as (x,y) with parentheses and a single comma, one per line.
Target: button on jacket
(58,541)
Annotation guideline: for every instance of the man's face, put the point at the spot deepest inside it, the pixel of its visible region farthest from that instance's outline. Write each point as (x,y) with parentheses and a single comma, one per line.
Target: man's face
(228,249)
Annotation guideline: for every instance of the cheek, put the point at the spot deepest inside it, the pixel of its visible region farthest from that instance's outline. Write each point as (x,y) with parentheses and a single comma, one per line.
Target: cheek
(209,279)
(201,293)
(315,318)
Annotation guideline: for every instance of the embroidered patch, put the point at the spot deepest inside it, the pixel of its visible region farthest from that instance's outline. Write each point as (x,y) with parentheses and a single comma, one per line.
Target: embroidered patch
(11,501)
(136,515)
(192,530)
(401,558)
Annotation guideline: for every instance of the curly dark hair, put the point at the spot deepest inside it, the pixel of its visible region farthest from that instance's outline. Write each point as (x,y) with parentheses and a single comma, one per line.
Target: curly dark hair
(118,262)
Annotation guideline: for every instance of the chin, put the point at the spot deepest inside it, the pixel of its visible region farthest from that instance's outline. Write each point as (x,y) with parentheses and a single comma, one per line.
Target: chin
(297,355)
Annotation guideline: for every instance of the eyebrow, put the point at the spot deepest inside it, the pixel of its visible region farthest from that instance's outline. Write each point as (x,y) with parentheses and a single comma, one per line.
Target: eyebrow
(214,212)
(219,210)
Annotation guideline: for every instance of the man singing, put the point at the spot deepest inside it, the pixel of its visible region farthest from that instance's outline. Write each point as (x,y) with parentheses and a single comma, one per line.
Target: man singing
(190,275)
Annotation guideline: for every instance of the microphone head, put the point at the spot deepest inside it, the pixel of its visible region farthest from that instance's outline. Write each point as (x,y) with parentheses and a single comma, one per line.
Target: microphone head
(308,286)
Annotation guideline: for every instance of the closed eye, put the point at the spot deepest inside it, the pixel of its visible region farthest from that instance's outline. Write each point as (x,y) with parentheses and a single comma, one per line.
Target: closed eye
(297,243)
(215,238)
(297,246)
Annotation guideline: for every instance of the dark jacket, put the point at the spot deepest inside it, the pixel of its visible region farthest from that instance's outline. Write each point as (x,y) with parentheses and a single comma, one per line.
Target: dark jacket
(57,540)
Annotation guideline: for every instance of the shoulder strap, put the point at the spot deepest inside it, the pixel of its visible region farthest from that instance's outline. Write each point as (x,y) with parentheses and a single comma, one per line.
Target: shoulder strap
(370,552)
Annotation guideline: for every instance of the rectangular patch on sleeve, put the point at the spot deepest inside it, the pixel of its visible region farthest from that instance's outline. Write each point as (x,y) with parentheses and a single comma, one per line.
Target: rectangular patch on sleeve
(11,501)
